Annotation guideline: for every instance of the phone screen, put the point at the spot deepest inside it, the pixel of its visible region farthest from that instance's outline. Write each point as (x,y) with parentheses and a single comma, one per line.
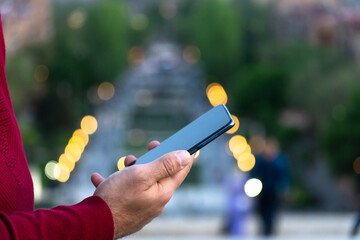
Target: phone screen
(195,135)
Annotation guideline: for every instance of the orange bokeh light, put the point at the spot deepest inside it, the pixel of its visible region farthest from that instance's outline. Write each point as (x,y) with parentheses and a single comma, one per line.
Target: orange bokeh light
(216,94)
(235,127)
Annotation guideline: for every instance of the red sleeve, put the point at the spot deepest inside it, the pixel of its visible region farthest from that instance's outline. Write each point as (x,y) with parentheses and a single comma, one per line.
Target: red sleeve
(89,219)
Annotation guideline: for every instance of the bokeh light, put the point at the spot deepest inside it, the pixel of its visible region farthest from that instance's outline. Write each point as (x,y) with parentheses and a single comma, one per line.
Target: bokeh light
(136,55)
(197,154)
(237,154)
(41,73)
(106,91)
(235,127)
(80,133)
(168,10)
(237,144)
(143,97)
(64,173)
(253,187)
(191,54)
(79,141)
(246,162)
(356,165)
(121,163)
(67,161)
(73,151)
(139,22)
(76,19)
(52,170)
(216,94)
(247,149)
(89,124)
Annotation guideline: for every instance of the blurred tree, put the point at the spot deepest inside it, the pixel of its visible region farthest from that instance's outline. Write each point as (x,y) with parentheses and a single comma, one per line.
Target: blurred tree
(259,92)
(215,27)
(341,138)
(90,46)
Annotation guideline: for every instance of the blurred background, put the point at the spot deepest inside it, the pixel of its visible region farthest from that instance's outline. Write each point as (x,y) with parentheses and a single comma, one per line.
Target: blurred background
(95,80)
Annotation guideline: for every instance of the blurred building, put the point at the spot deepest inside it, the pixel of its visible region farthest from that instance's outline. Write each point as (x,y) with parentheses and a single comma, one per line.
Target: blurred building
(324,23)
(25,21)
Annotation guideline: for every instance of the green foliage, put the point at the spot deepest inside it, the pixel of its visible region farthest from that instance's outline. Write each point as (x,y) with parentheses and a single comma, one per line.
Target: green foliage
(259,92)
(78,58)
(341,139)
(19,70)
(265,76)
(215,27)
(107,38)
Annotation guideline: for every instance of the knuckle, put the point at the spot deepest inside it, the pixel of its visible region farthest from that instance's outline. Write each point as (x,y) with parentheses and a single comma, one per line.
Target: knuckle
(169,164)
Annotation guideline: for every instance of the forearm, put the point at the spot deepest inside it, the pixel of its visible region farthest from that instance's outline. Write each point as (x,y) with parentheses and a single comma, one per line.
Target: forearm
(89,219)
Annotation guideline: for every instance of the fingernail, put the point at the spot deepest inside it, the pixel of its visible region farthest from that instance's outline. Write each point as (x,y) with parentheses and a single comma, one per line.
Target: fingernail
(183,157)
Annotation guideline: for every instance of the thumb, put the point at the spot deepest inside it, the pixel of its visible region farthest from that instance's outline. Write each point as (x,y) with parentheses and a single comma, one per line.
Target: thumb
(96,179)
(168,165)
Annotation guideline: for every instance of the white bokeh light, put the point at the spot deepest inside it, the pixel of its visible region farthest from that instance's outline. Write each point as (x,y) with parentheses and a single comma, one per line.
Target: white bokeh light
(253,187)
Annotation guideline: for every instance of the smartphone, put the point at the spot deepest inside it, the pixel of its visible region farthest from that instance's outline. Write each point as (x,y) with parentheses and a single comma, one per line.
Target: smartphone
(195,135)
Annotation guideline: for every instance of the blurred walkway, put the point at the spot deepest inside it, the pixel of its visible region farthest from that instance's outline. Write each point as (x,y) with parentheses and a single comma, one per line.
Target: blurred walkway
(291,226)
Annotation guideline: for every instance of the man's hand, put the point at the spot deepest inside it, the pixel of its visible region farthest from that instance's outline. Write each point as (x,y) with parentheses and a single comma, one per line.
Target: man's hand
(137,194)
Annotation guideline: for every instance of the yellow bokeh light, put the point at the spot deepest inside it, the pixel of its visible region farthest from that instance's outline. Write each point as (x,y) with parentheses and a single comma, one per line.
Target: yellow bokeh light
(64,173)
(243,156)
(78,141)
(106,91)
(237,154)
(121,163)
(246,162)
(67,161)
(216,94)
(247,149)
(73,150)
(89,124)
(237,144)
(253,187)
(356,165)
(210,86)
(52,170)
(80,133)
(235,127)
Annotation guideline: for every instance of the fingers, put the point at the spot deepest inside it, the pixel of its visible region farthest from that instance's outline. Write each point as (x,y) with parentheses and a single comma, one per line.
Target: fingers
(96,179)
(153,144)
(176,180)
(167,165)
(129,160)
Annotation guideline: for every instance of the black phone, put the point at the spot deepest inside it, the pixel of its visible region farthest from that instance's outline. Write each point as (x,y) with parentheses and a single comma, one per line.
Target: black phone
(195,135)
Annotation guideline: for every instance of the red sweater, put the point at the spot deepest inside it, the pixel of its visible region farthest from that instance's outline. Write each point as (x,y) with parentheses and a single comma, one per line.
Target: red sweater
(89,219)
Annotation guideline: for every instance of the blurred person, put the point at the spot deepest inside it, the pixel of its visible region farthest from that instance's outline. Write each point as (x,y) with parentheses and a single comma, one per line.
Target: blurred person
(237,205)
(355,228)
(271,168)
(122,203)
